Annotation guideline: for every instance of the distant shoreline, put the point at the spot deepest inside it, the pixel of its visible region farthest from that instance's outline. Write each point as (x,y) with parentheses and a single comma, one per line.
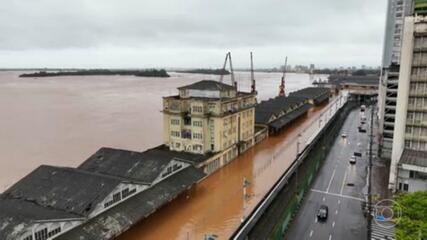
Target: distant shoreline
(100,72)
(206,71)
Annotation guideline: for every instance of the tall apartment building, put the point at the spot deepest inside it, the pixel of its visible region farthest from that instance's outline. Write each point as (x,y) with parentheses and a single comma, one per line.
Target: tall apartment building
(396,12)
(408,161)
(209,117)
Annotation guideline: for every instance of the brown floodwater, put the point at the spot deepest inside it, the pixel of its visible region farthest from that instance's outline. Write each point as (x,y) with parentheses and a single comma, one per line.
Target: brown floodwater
(217,205)
(63,120)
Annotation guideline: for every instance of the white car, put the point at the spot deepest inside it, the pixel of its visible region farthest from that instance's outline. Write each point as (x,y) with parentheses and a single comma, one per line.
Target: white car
(352,160)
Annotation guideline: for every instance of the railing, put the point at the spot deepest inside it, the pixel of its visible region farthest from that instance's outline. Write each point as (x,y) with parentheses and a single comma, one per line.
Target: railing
(300,143)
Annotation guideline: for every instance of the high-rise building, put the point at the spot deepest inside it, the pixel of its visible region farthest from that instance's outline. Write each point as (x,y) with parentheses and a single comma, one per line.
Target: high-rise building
(210,117)
(396,11)
(408,170)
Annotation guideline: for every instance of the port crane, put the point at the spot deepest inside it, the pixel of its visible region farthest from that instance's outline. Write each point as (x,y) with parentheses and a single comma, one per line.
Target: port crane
(228,58)
(282,83)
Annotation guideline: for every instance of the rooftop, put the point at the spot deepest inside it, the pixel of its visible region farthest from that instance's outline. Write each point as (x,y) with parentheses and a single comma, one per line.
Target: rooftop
(265,109)
(111,223)
(209,85)
(67,189)
(360,80)
(413,157)
(136,166)
(143,167)
(15,212)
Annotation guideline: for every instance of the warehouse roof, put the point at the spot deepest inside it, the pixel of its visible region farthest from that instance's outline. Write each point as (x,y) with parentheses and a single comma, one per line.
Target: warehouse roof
(359,80)
(311,92)
(15,212)
(62,188)
(142,167)
(114,221)
(265,109)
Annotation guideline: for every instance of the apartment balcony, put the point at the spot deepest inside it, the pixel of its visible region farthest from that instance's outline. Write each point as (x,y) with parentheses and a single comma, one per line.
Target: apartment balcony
(413,108)
(388,131)
(417,123)
(411,137)
(418,94)
(418,78)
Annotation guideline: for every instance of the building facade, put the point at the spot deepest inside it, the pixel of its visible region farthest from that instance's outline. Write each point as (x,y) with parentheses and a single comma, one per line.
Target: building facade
(410,130)
(397,10)
(209,117)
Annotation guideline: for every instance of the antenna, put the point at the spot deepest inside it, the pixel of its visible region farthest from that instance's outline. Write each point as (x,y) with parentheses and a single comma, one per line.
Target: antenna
(253,90)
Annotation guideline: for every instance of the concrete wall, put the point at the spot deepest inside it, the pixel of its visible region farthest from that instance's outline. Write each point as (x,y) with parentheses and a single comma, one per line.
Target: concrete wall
(402,98)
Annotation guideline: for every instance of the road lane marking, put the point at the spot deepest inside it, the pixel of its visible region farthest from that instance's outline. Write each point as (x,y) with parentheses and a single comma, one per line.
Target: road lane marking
(338,195)
(336,212)
(333,224)
(323,199)
(330,181)
(339,201)
(315,219)
(330,236)
(311,233)
(343,181)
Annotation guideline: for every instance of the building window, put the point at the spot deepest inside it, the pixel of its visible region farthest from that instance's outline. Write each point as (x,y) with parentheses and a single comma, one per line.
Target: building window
(54,231)
(41,235)
(175,121)
(197,109)
(197,148)
(177,145)
(411,174)
(28,238)
(175,134)
(197,136)
(197,123)
(116,198)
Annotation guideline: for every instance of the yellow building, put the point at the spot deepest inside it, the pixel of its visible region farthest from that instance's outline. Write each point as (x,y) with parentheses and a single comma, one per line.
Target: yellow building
(209,117)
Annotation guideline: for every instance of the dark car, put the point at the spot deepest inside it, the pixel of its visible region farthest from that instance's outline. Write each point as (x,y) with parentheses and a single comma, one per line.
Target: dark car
(322,213)
(352,160)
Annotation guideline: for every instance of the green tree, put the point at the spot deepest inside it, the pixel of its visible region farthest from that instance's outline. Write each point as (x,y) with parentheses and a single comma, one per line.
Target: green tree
(413,223)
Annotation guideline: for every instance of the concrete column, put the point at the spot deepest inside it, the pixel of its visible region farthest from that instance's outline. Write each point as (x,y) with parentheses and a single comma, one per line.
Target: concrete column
(402,98)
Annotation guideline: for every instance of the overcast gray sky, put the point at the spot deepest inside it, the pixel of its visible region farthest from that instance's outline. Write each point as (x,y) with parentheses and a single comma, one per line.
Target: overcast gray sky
(190,33)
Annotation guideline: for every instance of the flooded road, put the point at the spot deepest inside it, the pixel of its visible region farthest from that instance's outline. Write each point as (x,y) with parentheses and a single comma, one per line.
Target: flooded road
(217,205)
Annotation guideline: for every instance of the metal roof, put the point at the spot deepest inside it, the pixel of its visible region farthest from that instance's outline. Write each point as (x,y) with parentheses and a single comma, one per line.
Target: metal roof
(15,212)
(413,157)
(265,109)
(143,167)
(67,189)
(114,221)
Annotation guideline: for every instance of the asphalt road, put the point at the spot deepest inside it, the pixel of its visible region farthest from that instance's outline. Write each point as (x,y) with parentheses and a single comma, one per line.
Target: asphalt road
(346,220)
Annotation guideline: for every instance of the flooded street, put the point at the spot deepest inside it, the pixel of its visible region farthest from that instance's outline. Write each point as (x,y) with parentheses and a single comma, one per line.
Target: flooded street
(63,120)
(216,205)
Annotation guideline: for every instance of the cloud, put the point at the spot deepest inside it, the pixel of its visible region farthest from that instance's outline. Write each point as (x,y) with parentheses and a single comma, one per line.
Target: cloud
(156,28)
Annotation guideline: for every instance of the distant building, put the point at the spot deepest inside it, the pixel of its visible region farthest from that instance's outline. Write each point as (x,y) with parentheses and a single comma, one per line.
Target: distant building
(408,163)
(210,117)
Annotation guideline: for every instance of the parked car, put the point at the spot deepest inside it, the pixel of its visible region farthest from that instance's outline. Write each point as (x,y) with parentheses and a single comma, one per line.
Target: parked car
(352,160)
(362,108)
(344,135)
(322,213)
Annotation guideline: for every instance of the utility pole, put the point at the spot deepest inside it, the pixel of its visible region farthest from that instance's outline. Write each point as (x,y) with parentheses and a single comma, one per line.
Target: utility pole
(370,174)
